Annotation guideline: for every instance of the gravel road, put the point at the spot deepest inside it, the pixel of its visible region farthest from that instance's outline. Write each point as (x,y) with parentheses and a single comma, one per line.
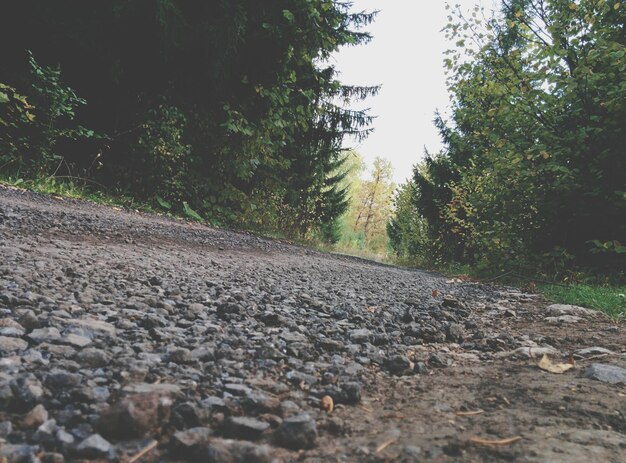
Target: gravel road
(138,338)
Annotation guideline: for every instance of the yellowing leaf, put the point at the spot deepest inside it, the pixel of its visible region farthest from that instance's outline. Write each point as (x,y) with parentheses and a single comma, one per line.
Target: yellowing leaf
(327,404)
(558,368)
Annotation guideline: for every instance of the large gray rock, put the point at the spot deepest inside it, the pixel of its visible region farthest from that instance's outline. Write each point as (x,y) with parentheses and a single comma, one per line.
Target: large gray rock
(606,373)
(557,310)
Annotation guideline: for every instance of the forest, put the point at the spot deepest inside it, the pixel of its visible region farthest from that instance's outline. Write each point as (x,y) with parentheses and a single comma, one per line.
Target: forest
(232,113)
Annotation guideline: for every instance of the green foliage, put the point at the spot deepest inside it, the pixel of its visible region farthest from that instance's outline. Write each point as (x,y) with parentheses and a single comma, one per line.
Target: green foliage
(15,113)
(189,212)
(363,226)
(230,106)
(159,156)
(533,169)
(55,106)
(407,229)
(35,125)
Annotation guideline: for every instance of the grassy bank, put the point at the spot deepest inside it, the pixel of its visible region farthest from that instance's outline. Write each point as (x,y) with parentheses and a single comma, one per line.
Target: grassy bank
(608,299)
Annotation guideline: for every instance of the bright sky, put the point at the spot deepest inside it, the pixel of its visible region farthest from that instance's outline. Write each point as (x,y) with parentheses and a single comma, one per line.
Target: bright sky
(406,58)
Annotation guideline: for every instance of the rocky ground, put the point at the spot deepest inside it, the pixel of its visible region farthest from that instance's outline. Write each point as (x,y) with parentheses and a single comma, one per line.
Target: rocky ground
(135,338)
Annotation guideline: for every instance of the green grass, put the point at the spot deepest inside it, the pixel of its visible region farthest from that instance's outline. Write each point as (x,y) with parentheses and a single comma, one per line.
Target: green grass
(75,190)
(608,299)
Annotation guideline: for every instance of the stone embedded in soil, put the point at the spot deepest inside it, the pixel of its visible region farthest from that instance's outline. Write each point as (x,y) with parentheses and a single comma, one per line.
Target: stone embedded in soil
(93,358)
(242,427)
(606,373)
(18,453)
(6,428)
(398,365)
(94,446)
(36,417)
(233,451)
(185,443)
(297,432)
(40,335)
(528,352)
(563,319)
(582,353)
(557,310)
(135,415)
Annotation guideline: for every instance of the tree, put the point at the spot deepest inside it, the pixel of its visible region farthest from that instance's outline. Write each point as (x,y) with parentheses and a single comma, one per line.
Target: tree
(371,207)
(227,105)
(533,162)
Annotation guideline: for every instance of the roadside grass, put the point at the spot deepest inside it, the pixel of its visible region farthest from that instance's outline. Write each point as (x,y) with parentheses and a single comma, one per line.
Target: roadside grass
(608,299)
(74,190)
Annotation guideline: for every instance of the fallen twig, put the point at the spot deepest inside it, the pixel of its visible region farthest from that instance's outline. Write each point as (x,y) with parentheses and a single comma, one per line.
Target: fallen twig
(386,444)
(473,413)
(510,440)
(143,451)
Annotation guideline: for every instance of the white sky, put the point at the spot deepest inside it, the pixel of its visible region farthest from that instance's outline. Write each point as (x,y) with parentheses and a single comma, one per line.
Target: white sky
(406,58)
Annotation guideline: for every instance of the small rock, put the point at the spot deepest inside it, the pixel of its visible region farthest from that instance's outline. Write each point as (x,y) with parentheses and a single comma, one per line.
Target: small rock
(40,335)
(438,360)
(606,373)
(18,453)
(6,428)
(76,340)
(180,355)
(9,345)
(52,457)
(135,415)
(456,333)
(297,432)
(565,319)
(27,392)
(95,446)
(421,368)
(582,353)
(233,451)
(398,365)
(163,389)
(60,379)
(529,352)
(360,336)
(93,358)
(36,417)
(186,443)
(242,427)
(64,439)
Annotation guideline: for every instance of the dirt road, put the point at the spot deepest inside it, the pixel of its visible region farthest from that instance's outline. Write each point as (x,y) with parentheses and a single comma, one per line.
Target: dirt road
(129,337)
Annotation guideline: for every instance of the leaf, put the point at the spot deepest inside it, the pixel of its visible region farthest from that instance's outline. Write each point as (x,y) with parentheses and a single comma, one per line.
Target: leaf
(558,368)
(435,293)
(289,15)
(163,203)
(191,213)
(327,404)
(510,440)
(4,98)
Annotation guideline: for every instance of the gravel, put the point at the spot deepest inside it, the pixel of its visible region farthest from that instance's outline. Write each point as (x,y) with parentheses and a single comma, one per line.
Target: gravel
(118,325)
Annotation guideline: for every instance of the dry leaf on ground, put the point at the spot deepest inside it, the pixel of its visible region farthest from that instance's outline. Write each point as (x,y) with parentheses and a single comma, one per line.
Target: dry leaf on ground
(327,404)
(546,364)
